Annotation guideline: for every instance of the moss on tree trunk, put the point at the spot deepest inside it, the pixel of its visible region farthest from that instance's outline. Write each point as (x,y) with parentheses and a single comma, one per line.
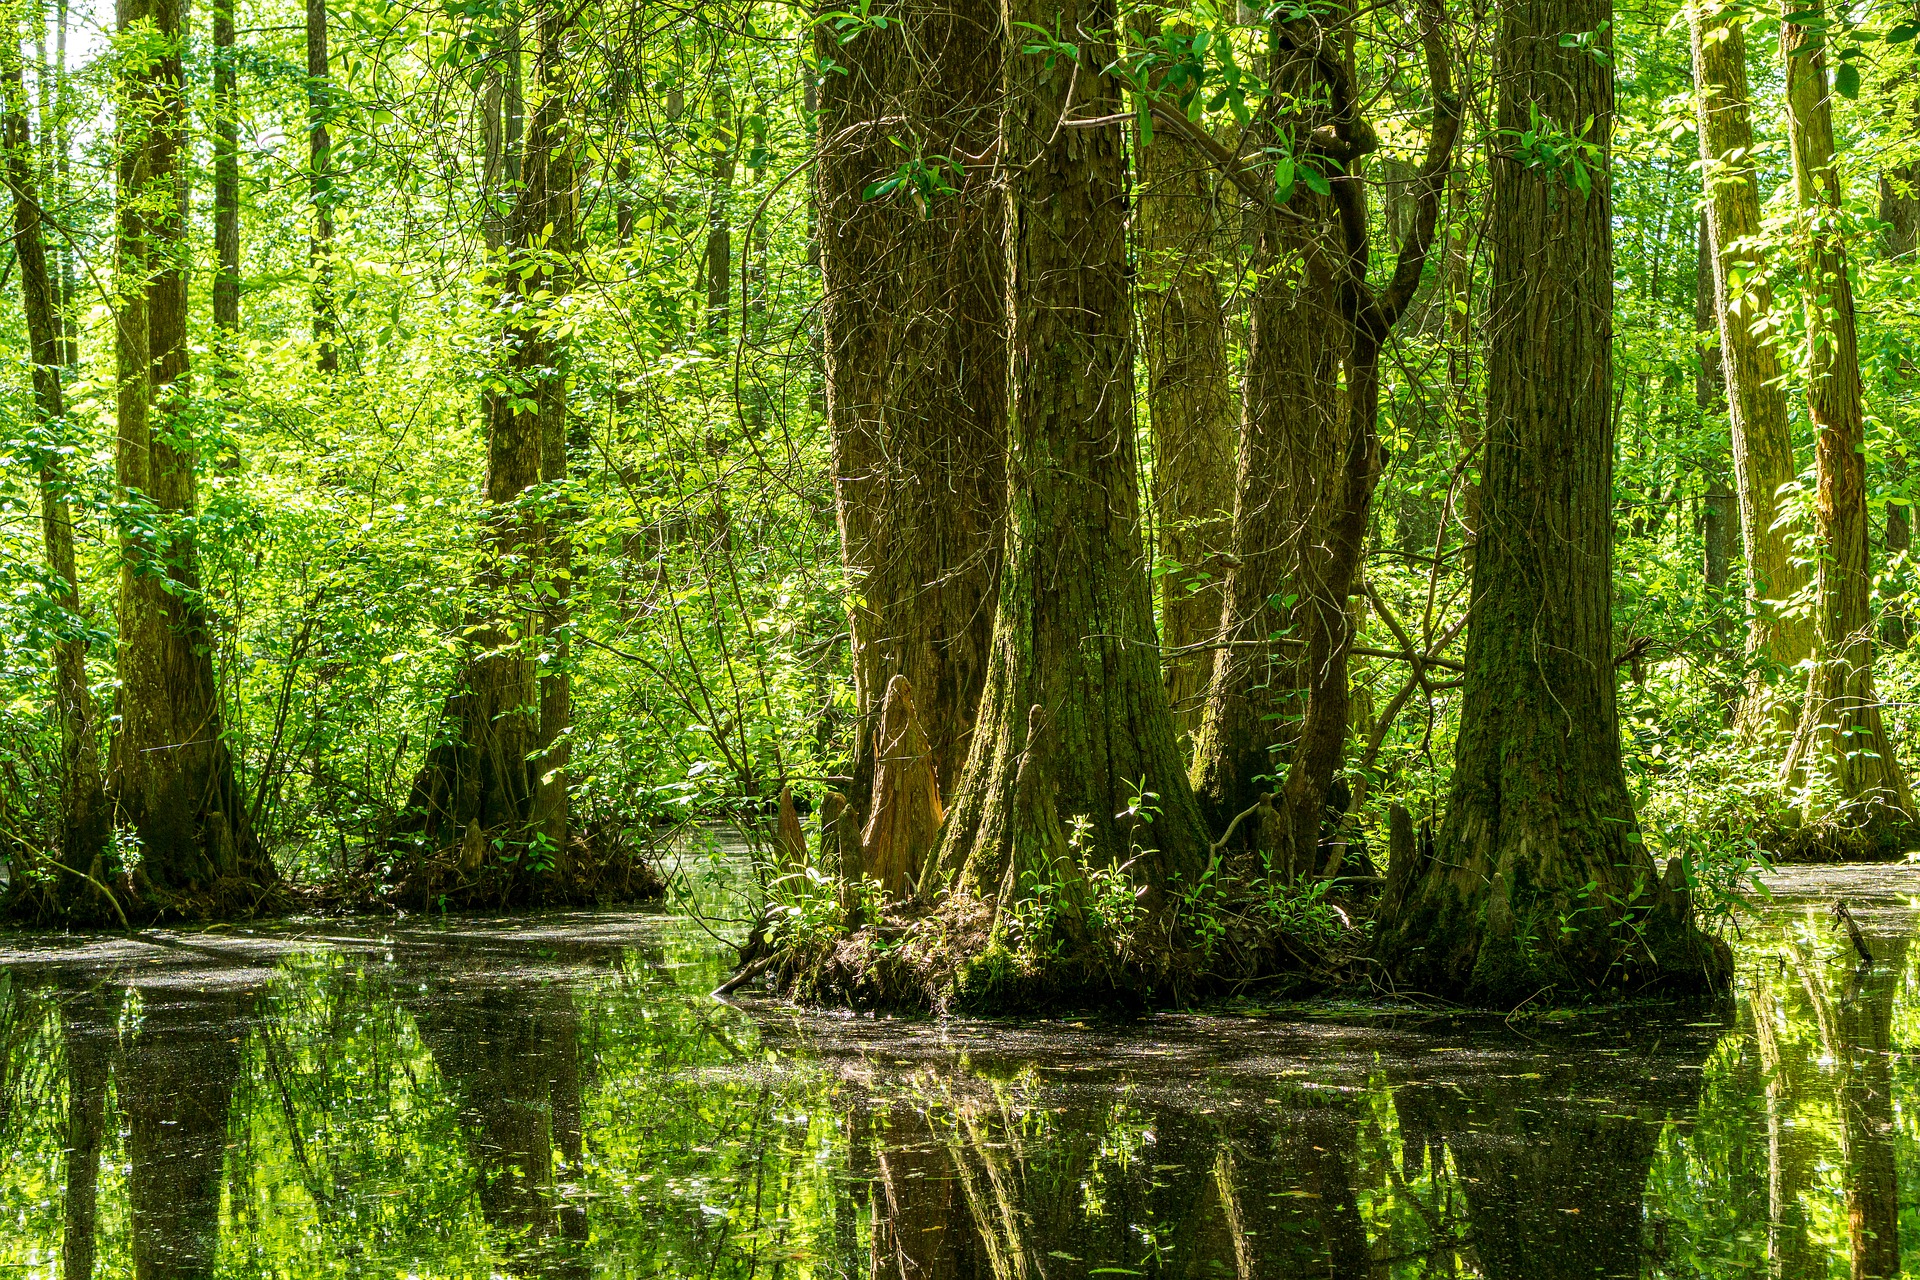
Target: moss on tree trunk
(1074,635)
(1540,884)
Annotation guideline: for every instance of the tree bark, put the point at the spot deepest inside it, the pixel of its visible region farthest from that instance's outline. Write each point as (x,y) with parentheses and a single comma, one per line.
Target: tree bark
(1190,409)
(1539,854)
(171,775)
(1840,733)
(320,186)
(1757,409)
(915,366)
(501,771)
(723,150)
(1292,440)
(84,819)
(1718,516)
(226,188)
(1900,211)
(1073,678)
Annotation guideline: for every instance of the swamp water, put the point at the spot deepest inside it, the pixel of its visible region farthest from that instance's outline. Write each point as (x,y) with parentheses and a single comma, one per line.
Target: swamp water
(557,1095)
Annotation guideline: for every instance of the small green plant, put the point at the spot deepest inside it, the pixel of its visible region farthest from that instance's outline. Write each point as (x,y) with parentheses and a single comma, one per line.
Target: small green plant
(1556,153)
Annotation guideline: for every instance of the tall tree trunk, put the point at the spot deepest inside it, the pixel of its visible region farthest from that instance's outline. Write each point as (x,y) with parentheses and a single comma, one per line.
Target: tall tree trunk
(1900,212)
(1539,855)
(171,774)
(499,775)
(1718,517)
(226,187)
(1074,707)
(1190,409)
(84,819)
(1719,508)
(1292,441)
(1841,733)
(915,369)
(1757,408)
(320,185)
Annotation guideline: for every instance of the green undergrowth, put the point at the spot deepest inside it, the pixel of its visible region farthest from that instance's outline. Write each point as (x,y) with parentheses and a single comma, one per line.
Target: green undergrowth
(1109,943)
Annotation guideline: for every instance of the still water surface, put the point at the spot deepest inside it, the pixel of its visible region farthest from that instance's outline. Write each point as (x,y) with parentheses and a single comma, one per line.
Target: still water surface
(557,1095)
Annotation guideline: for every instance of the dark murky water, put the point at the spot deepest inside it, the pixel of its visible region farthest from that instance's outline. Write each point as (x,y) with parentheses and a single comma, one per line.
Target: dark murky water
(558,1096)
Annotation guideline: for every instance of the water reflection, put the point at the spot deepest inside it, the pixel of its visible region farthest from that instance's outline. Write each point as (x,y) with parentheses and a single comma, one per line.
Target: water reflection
(557,1097)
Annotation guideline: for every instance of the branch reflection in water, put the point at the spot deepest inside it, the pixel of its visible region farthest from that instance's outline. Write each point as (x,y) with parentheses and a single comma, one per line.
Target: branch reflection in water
(556,1096)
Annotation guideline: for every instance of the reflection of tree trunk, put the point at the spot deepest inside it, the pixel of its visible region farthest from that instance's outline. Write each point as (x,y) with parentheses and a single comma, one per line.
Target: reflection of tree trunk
(920,1226)
(89,1026)
(1866,1101)
(512,1058)
(1553,1176)
(1788,1255)
(177,1071)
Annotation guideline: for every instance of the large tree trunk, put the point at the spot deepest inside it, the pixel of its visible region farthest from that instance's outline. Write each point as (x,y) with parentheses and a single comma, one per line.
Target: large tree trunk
(320,185)
(915,360)
(1757,408)
(1841,734)
(499,776)
(1074,707)
(84,820)
(172,776)
(1540,852)
(1190,408)
(1292,442)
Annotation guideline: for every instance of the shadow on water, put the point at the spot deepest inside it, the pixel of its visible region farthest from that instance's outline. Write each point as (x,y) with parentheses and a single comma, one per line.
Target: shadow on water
(556,1096)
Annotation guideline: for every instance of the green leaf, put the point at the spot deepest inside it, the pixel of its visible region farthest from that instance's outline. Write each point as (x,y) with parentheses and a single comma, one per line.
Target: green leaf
(1846,81)
(1315,180)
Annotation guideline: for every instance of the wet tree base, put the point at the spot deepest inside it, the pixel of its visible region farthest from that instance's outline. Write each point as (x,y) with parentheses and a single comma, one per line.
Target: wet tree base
(124,902)
(951,958)
(597,869)
(1827,842)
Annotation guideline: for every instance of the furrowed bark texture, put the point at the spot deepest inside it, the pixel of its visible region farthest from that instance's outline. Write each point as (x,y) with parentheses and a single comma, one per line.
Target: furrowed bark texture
(502,766)
(171,776)
(1900,211)
(1190,408)
(1756,405)
(84,819)
(1841,733)
(915,361)
(226,184)
(1073,636)
(1292,440)
(320,186)
(1539,809)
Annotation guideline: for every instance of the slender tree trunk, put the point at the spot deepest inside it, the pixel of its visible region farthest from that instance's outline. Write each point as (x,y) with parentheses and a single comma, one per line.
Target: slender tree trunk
(1074,720)
(723,149)
(1719,508)
(1190,408)
(1540,854)
(915,370)
(84,818)
(1841,733)
(320,185)
(499,777)
(1762,445)
(1900,211)
(1718,517)
(226,186)
(171,774)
